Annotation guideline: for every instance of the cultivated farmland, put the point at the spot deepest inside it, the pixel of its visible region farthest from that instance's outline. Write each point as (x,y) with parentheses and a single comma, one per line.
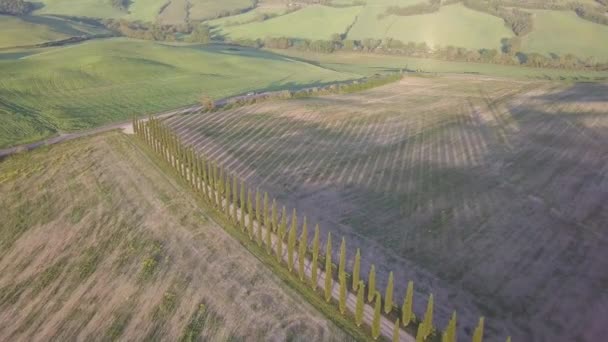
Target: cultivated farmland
(85,85)
(97,243)
(491,193)
(441,28)
(315,22)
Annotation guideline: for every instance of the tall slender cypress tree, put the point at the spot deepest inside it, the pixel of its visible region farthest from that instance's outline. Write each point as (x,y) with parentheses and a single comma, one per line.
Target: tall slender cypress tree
(258,209)
(388,295)
(342,301)
(227,195)
(302,246)
(428,318)
(407,314)
(244,207)
(291,239)
(478,334)
(315,257)
(266,214)
(356,269)
(342,262)
(396,329)
(328,271)
(371,283)
(249,222)
(376,319)
(268,240)
(274,225)
(235,201)
(360,304)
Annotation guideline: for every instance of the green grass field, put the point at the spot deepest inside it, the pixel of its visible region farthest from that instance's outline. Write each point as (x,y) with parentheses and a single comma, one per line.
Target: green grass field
(563,32)
(205,9)
(453,25)
(85,85)
(31,30)
(80,8)
(145,10)
(314,22)
(369,64)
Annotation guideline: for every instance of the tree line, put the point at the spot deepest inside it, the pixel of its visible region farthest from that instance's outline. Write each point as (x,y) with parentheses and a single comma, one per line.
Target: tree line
(15,7)
(258,218)
(509,54)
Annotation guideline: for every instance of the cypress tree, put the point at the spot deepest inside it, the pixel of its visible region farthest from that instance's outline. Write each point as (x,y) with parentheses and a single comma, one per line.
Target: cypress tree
(342,263)
(451,329)
(360,304)
(266,217)
(396,331)
(371,283)
(356,269)
(428,318)
(376,320)
(227,195)
(243,201)
(275,222)
(268,240)
(281,234)
(420,332)
(388,295)
(235,200)
(342,302)
(250,222)
(449,335)
(328,272)
(291,239)
(315,257)
(302,246)
(258,210)
(283,226)
(478,334)
(406,310)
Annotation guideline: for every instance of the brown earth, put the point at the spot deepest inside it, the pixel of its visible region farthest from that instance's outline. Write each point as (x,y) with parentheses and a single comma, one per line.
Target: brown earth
(490,193)
(97,243)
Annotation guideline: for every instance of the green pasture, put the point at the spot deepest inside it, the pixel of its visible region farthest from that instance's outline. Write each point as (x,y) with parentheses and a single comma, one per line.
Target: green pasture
(453,25)
(561,32)
(205,9)
(369,64)
(31,30)
(80,8)
(97,82)
(314,22)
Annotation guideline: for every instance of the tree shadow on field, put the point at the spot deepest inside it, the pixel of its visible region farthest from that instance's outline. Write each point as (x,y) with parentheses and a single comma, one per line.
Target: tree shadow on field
(501,213)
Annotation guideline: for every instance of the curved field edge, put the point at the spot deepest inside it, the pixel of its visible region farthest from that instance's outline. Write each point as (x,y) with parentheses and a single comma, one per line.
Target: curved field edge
(113,247)
(98,82)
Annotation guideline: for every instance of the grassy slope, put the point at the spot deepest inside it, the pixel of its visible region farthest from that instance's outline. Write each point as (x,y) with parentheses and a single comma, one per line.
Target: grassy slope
(17,32)
(314,22)
(30,30)
(98,243)
(564,32)
(204,9)
(82,8)
(97,82)
(452,25)
(367,64)
(145,10)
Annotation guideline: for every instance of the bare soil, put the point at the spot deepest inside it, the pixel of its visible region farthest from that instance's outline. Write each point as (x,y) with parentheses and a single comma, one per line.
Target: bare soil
(97,243)
(490,193)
